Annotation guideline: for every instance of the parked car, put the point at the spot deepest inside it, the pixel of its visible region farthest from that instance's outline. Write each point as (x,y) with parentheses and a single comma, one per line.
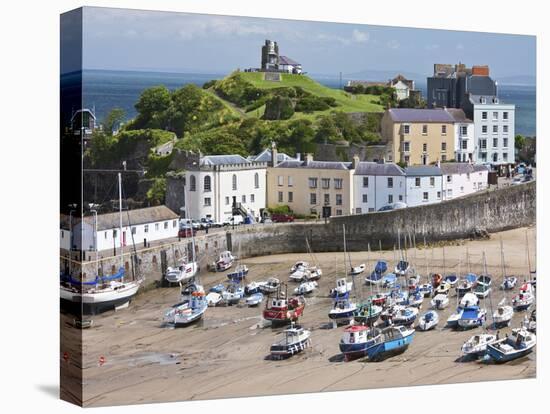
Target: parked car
(206,223)
(393,206)
(186,232)
(196,224)
(233,220)
(282,218)
(185,222)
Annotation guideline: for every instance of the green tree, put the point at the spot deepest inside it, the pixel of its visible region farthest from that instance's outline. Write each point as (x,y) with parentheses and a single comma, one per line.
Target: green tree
(156,193)
(519,141)
(113,120)
(151,106)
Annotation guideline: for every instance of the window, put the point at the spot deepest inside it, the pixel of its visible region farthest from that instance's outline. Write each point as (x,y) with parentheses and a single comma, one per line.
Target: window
(483,143)
(105,233)
(325,183)
(243,198)
(495,157)
(484,129)
(407,159)
(174,223)
(192,183)
(406,129)
(425,196)
(156,227)
(312,182)
(449,178)
(443,158)
(463,130)
(495,142)
(439,194)
(207,184)
(252,198)
(505,156)
(443,146)
(280,197)
(207,201)
(443,129)
(365,198)
(406,146)
(390,182)
(145,230)
(338,199)
(256,180)
(115,232)
(425,147)
(226,201)
(234,182)
(505,129)
(461,189)
(424,129)
(505,142)
(313,198)
(290,181)
(484,115)
(290,196)
(280,180)
(495,129)
(505,115)
(390,198)
(400,197)
(338,212)
(365,181)
(464,144)
(432,181)
(165,225)
(338,182)
(327,199)
(417,181)
(358,210)
(133,230)
(449,192)
(495,115)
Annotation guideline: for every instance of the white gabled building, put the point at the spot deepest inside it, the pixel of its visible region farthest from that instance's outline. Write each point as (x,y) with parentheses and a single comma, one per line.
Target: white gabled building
(461,179)
(464,139)
(377,184)
(423,185)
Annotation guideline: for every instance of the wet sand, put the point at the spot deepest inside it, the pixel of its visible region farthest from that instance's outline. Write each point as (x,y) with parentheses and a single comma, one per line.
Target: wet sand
(225,355)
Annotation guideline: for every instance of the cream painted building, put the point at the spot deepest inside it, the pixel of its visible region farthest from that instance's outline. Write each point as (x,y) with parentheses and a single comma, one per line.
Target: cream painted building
(418,136)
(307,186)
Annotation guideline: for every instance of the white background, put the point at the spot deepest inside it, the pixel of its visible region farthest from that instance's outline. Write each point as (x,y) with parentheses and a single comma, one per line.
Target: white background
(29,330)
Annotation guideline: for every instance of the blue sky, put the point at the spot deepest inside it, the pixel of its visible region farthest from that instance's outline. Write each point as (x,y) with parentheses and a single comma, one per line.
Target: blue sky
(121,39)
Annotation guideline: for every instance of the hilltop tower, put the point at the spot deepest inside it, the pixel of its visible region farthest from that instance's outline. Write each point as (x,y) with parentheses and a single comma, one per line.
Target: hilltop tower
(270,56)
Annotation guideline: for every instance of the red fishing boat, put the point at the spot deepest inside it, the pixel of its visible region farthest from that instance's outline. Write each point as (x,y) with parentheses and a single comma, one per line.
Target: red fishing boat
(280,310)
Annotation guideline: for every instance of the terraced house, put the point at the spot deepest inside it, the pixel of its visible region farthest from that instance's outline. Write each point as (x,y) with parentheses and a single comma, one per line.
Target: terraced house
(307,186)
(418,136)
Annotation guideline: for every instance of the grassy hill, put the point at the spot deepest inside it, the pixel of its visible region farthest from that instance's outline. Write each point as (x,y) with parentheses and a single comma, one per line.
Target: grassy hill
(344,101)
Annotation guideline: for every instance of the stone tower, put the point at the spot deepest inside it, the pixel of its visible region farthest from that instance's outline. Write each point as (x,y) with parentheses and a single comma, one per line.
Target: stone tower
(270,56)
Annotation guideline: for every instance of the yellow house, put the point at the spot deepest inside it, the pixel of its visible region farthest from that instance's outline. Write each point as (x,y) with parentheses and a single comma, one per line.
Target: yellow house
(418,136)
(307,186)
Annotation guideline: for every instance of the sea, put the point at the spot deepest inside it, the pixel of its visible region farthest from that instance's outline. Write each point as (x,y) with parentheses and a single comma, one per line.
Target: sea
(104,90)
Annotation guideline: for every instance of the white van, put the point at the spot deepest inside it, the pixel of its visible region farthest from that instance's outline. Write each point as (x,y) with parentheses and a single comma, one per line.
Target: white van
(233,220)
(186,223)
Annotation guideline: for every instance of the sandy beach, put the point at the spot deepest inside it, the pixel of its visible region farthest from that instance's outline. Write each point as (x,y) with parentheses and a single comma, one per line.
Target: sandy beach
(225,355)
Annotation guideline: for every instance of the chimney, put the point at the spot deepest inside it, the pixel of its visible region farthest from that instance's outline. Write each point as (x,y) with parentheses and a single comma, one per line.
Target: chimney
(274,154)
(309,158)
(355,162)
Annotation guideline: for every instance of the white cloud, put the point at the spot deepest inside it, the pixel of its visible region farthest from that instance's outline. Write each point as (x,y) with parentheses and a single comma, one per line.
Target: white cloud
(359,36)
(393,44)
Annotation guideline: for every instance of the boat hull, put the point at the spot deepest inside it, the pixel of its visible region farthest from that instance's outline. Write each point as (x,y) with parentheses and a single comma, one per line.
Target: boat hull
(93,304)
(500,357)
(387,349)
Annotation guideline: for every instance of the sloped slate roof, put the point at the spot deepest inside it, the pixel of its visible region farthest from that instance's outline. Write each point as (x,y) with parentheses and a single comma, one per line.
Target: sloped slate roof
(374,168)
(285,60)
(481,167)
(422,171)
(322,165)
(265,156)
(138,216)
(420,115)
(449,168)
(223,160)
(458,115)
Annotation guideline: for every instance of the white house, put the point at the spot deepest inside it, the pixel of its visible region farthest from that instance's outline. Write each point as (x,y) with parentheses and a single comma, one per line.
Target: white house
(461,179)
(402,86)
(139,225)
(218,184)
(377,184)
(464,139)
(289,65)
(494,130)
(423,185)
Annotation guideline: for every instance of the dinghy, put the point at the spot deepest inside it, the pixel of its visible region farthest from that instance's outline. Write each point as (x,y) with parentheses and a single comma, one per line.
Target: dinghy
(483,286)
(306,288)
(270,286)
(213,299)
(239,274)
(255,299)
(402,268)
(517,345)
(524,298)
(509,283)
(356,340)
(472,317)
(451,280)
(405,316)
(233,293)
(299,275)
(342,288)
(392,340)
(187,312)
(253,287)
(428,321)
(469,299)
(357,270)
(314,273)
(440,301)
(367,313)
(476,346)
(342,311)
(466,285)
(295,340)
(502,315)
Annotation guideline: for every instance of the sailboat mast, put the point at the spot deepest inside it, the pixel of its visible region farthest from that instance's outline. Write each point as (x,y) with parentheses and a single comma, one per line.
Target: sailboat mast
(120,221)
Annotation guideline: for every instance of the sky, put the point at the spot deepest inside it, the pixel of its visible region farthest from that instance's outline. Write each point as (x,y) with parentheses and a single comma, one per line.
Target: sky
(119,39)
